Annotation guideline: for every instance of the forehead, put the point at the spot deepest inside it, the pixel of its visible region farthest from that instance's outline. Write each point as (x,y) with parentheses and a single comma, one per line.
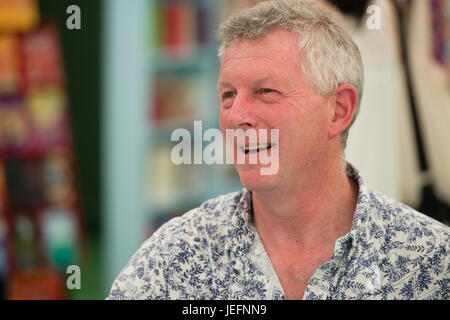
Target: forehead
(276,54)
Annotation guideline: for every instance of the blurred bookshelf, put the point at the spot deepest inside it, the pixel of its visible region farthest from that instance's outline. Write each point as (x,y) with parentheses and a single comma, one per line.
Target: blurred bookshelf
(161,74)
(42,225)
(184,67)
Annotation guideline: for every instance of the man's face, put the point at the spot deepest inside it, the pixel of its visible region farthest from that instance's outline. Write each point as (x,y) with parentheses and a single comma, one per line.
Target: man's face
(261,87)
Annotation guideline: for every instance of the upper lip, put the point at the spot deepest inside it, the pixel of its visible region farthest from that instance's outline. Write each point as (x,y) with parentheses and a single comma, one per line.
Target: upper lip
(253,142)
(256,146)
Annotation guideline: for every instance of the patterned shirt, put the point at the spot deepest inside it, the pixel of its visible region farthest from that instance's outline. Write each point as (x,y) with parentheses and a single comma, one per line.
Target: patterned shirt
(214,252)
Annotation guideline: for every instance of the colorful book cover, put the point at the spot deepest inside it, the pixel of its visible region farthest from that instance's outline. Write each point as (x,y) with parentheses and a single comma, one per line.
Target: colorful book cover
(207,17)
(23,183)
(176,96)
(58,180)
(42,57)
(59,236)
(9,65)
(179,28)
(18,15)
(47,108)
(37,283)
(15,130)
(26,249)
(157,26)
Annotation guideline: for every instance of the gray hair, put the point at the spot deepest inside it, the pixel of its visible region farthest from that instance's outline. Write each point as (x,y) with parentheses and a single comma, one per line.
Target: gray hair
(331,56)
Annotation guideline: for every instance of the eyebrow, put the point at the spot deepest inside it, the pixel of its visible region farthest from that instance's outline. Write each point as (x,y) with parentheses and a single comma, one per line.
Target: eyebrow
(224,83)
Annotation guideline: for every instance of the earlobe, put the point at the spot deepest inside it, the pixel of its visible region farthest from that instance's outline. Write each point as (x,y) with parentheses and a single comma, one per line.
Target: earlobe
(345,102)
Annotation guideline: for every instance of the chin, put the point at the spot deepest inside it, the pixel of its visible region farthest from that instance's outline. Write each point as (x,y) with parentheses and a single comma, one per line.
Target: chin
(252,179)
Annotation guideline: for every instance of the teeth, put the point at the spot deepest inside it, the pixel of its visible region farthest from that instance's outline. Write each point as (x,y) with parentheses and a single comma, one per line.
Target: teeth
(257,147)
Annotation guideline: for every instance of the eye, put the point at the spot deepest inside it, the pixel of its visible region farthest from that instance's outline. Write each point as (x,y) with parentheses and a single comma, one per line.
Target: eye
(228,94)
(265,90)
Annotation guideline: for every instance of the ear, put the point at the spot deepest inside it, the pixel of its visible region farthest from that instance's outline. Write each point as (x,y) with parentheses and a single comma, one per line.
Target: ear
(343,109)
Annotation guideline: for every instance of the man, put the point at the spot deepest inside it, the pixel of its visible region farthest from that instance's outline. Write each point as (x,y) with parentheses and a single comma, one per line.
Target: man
(312,230)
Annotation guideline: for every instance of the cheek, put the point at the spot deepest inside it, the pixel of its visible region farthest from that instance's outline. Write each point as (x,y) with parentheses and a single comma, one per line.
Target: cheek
(303,130)
(312,116)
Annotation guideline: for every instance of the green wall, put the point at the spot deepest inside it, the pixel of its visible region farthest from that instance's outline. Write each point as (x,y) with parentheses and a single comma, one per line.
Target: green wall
(81,49)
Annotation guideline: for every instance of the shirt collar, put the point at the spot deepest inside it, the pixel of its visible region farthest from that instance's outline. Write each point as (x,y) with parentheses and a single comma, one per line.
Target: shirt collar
(241,235)
(363,217)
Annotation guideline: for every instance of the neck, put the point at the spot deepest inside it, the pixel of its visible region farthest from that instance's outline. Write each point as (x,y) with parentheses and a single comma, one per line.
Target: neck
(311,215)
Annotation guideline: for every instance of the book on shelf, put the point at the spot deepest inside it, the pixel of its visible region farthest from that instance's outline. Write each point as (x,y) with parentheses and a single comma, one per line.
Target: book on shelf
(176,96)
(10,78)
(18,15)
(182,27)
(173,185)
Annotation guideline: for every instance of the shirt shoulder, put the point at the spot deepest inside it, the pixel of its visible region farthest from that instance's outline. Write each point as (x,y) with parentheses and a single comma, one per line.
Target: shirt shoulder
(180,256)
(407,223)
(397,252)
(208,221)
(413,250)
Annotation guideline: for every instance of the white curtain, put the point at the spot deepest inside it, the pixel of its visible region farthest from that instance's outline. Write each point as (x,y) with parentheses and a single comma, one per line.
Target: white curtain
(381,142)
(433,96)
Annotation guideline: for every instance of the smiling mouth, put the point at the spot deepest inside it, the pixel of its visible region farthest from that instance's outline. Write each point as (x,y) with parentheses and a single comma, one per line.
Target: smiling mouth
(256,148)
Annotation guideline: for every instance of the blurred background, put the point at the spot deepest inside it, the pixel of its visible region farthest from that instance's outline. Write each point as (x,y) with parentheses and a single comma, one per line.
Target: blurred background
(89,97)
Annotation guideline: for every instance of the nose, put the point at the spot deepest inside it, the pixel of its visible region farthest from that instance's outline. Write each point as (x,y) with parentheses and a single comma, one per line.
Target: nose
(242,115)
